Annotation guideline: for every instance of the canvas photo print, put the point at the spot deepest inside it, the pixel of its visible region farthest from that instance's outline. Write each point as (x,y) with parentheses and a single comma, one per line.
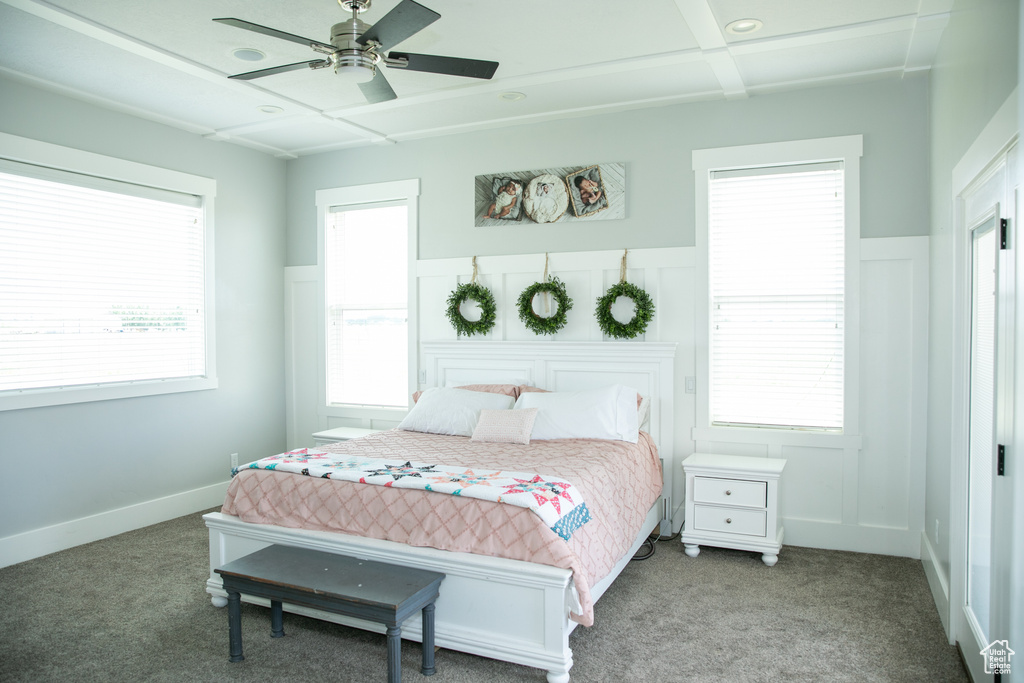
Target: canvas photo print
(587,191)
(554,195)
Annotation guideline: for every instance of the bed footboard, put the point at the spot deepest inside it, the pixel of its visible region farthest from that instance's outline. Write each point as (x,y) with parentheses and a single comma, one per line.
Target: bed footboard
(526,621)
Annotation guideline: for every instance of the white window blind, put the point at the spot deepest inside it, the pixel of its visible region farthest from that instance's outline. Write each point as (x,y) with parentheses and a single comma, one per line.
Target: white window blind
(776,286)
(101,282)
(366,282)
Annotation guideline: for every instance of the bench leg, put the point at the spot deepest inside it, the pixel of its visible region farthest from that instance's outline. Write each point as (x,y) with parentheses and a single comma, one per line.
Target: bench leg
(428,640)
(276,619)
(394,654)
(235,626)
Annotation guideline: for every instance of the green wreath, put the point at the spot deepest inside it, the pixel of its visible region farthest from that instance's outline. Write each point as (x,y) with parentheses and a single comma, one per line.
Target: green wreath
(471,291)
(644,311)
(539,324)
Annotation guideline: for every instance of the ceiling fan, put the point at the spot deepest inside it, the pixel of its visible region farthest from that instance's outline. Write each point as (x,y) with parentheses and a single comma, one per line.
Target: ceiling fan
(356,49)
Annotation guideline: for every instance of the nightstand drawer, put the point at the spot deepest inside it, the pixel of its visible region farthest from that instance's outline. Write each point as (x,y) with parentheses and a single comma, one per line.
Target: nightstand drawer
(752,494)
(729,520)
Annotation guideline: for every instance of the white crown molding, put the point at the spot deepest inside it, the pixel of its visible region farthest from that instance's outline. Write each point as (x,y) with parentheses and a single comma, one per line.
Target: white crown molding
(575,112)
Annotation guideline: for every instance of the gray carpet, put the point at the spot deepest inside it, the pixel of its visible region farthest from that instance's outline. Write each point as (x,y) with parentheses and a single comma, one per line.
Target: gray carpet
(133,608)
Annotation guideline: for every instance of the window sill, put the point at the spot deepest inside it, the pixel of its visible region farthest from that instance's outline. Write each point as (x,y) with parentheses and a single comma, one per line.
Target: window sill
(779,437)
(38,398)
(364,412)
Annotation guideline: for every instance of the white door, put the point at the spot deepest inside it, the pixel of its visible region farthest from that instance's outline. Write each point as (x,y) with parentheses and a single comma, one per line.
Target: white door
(982,620)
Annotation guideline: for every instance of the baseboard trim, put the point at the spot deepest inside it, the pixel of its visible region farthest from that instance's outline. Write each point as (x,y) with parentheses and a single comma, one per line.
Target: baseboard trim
(38,542)
(878,540)
(937,580)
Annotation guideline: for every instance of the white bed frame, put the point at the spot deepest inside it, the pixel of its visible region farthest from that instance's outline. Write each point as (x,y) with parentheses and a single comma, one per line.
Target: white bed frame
(503,609)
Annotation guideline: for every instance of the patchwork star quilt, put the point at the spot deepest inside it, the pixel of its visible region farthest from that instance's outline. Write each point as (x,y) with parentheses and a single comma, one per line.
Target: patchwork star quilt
(556,501)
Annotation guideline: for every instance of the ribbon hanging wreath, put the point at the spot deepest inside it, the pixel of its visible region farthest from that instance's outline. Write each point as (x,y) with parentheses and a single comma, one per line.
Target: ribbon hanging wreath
(471,291)
(546,324)
(641,300)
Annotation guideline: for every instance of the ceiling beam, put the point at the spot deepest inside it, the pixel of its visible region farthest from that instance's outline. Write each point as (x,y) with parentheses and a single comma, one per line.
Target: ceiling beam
(924,43)
(702,24)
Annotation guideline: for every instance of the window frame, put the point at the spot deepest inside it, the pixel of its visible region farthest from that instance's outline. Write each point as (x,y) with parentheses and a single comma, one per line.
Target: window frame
(29,151)
(847,149)
(403,191)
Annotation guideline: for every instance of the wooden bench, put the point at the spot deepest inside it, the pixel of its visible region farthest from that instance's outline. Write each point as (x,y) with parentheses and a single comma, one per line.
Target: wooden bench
(383,593)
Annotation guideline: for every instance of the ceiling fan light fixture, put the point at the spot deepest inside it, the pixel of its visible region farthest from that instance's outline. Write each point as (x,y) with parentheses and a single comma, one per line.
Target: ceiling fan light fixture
(355,66)
(248,54)
(354,73)
(742,27)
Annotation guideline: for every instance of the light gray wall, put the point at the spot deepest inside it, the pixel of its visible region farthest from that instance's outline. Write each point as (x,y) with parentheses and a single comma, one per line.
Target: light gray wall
(62,463)
(976,71)
(656,146)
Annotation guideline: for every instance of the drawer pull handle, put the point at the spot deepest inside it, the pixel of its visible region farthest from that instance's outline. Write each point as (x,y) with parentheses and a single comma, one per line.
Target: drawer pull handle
(728,492)
(728,520)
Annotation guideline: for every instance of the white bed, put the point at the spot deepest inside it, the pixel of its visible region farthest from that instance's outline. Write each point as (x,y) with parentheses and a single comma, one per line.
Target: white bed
(527,621)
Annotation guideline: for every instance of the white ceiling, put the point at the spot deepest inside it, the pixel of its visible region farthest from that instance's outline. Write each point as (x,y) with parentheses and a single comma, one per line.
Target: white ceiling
(167,61)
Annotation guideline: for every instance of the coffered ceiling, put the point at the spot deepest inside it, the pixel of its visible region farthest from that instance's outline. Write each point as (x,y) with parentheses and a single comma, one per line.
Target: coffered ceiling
(169,62)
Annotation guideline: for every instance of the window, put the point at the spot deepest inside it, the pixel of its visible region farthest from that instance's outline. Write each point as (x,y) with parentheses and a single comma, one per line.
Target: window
(776,283)
(777,233)
(103,283)
(367,241)
(367,305)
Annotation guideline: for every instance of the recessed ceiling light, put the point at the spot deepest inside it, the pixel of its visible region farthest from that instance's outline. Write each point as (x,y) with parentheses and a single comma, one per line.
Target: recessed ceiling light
(247,54)
(270,109)
(512,96)
(744,26)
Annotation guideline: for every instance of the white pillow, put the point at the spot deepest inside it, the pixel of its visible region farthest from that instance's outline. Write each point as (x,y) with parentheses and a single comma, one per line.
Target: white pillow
(607,413)
(643,414)
(451,411)
(505,426)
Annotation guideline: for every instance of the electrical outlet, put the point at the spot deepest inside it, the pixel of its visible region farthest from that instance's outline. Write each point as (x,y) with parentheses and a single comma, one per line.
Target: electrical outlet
(234,459)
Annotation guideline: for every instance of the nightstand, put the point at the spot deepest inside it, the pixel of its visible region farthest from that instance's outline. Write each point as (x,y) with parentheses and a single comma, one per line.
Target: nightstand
(732,501)
(340,434)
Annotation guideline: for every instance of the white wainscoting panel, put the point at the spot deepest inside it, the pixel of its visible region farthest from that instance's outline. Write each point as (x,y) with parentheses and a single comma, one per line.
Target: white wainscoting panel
(861,492)
(300,349)
(666,274)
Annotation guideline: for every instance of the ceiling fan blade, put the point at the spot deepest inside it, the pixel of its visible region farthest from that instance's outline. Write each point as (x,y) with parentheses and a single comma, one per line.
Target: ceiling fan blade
(274,33)
(378,89)
(452,66)
(249,75)
(407,18)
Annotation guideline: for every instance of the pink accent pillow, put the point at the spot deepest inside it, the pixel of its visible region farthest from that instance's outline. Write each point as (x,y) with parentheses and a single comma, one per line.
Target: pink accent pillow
(504,426)
(507,389)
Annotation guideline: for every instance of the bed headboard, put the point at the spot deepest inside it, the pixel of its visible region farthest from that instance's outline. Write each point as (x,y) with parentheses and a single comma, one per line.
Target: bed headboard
(647,367)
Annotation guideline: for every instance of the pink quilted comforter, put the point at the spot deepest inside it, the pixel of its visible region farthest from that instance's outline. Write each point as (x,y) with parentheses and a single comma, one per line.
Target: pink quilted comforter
(619,482)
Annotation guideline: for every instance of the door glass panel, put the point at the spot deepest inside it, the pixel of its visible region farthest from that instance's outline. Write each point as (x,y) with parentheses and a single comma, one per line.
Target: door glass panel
(982,425)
